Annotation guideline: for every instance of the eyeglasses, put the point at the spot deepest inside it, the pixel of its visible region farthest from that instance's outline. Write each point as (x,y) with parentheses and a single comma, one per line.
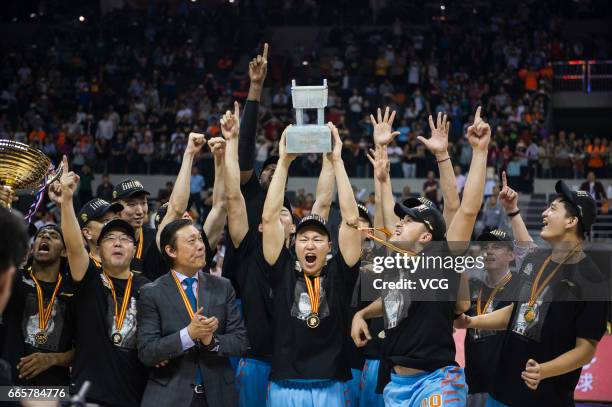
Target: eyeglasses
(121,238)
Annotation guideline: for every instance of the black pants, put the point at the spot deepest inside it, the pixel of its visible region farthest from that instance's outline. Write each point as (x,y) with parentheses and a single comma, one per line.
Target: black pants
(199,400)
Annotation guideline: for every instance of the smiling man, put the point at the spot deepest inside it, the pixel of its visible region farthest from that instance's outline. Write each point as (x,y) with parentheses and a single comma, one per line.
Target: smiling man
(38,325)
(133,197)
(312,293)
(554,325)
(105,307)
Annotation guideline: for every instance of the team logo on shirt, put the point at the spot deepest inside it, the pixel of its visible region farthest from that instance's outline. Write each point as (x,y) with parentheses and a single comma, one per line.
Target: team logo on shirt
(528,269)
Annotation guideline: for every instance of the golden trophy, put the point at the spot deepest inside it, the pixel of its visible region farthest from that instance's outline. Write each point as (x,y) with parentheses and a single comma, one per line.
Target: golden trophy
(26,168)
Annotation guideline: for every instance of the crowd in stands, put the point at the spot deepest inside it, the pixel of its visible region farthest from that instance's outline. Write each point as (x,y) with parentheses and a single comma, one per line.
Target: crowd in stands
(123,100)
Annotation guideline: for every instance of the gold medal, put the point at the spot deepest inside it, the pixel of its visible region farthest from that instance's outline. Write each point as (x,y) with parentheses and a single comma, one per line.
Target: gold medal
(116,338)
(529,314)
(312,321)
(314,292)
(44,313)
(40,337)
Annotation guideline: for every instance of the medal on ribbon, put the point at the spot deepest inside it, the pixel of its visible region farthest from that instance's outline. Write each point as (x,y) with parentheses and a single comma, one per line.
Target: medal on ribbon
(44,313)
(314,293)
(117,337)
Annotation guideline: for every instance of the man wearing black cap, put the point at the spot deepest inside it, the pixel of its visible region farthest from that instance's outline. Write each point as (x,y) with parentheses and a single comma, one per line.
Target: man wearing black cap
(560,313)
(252,275)
(495,291)
(131,194)
(419,350)
(105,308)
(37,323)
(312,293)
(92,217)
(154,266)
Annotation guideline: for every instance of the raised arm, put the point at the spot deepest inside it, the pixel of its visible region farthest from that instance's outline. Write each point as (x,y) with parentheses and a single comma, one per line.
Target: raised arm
(509,200)
(380,169)
(460,229)
(325,189)
(215,221)
(349,237)
(258,68)
(78,259)
(179,199)
(237,221)
(382,137)
(273,233)
(438,146)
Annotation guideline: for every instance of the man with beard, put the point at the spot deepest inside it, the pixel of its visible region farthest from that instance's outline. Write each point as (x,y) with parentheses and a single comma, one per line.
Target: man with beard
(554,325)
(105,307)
(38,323)
(133,197)
(312,293)
(418,364)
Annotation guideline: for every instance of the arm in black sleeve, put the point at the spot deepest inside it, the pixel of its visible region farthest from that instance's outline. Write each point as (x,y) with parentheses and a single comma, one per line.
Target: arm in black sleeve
(246,143)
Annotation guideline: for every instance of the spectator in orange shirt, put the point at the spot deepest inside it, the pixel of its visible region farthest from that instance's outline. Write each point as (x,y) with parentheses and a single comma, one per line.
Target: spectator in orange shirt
(597,156)
(530,78)
(37,134)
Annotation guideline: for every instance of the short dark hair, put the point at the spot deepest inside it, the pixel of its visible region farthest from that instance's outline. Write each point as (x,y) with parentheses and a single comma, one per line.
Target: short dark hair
(13,240)
(168,238)
(572,211)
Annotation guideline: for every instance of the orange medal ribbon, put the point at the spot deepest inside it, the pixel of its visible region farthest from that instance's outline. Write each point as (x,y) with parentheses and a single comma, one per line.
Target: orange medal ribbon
(96,262)
(140,243)
(499,286)
(44,313)
(314,293)
(370,233)
(120,316)
(186,302)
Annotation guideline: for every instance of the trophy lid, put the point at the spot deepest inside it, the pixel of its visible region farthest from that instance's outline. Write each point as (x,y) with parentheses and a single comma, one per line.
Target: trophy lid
(22,166)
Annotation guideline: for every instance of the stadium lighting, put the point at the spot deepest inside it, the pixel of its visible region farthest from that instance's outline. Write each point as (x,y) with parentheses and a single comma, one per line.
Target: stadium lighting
(232,1)
(305,63)
(82,19)
(32,15)
(442,7)
(193,1)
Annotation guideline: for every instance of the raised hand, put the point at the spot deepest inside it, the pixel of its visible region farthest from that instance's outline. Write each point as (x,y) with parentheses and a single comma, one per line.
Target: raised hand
(69,181)
(382,127)
(479,133)
(282,148)
(230,123)
(258,67)
(437,144)
(55,193)
(508,196)
(380,161)
(195,143)
(217,146)
(7,196)
(336,153)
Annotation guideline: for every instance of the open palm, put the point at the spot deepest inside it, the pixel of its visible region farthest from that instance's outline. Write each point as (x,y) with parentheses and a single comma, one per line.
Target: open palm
(438,142)
(382,127)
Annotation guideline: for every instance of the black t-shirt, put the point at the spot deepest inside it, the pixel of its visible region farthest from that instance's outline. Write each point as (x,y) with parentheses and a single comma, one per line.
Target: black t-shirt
(482,347)
(117,376)
(257,296)
(553,332)
(148,240)
(254,198)
(301,352)
(20,325)
(154,265)
(418,334)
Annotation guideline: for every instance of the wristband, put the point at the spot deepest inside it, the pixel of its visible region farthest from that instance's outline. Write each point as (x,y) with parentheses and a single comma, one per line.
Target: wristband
(513,214)
(444,159)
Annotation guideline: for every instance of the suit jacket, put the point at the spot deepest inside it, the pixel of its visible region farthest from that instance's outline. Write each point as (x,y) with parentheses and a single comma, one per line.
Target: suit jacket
(161,316)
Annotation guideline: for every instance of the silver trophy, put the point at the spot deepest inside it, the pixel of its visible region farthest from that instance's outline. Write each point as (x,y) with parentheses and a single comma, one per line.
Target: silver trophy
(309,138)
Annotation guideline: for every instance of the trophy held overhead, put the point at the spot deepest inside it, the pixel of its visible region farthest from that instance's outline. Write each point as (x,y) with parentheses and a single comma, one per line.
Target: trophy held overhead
(309,138)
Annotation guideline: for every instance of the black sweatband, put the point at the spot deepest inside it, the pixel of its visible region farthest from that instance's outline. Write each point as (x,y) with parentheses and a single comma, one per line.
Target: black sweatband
(246,142)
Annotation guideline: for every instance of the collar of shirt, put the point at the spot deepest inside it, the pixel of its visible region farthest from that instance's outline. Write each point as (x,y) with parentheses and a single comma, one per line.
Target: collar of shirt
(182,278)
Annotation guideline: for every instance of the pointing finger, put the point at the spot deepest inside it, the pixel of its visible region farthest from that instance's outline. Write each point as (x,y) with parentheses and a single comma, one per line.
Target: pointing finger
(236,109)
(504,179)
(477,115)
(265,52)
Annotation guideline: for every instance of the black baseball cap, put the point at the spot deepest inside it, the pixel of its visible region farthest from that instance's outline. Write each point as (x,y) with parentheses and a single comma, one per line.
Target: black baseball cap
(95,209)
(313,220)
(116,224)
(495,235)
(364,213)
(128,188)
(582,201)
(426,213)
(161,213)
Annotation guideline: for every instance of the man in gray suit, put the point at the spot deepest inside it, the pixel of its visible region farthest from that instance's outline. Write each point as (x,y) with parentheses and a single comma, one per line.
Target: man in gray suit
(188,325)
